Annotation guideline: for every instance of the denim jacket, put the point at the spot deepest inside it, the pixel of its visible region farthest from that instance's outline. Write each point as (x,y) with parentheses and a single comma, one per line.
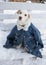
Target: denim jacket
(30,39)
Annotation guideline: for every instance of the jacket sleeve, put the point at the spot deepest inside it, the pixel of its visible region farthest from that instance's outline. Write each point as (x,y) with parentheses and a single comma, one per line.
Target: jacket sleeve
(37,36)
(12,34)
(10,39)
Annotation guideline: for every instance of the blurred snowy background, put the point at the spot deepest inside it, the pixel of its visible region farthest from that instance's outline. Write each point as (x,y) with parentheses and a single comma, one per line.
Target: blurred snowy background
(34,1)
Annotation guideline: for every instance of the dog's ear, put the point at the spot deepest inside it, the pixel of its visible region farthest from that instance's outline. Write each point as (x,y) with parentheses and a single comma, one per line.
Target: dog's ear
(19,12)
(28,15)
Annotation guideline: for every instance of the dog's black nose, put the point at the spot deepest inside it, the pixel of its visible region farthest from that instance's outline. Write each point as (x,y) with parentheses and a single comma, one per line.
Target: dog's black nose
(20,17)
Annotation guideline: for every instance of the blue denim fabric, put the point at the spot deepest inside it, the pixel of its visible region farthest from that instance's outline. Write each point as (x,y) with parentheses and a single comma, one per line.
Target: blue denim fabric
(31,39)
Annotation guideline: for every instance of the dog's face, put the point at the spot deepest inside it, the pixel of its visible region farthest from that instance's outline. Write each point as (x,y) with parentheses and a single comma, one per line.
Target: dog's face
(23,17)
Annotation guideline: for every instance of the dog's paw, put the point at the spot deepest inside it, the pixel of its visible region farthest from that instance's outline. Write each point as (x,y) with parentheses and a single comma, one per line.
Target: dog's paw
(6,46)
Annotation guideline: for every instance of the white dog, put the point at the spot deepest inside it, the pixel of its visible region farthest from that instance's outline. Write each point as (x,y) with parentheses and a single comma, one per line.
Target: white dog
(24,19)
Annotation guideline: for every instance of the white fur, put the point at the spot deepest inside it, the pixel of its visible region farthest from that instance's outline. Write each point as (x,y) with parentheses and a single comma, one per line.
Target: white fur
(25,21)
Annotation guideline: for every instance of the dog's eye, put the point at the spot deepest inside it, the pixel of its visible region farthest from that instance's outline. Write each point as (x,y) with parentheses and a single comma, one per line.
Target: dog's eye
(20,12)
(25,14)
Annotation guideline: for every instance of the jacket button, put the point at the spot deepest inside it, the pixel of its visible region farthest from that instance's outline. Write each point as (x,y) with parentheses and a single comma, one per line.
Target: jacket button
(30,37)
(24,36)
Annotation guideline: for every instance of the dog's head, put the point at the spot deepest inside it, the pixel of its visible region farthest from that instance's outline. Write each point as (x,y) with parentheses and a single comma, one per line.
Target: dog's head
(23,17)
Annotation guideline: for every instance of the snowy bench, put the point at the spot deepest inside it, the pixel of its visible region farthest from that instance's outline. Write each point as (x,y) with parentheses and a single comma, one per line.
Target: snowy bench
(8,19)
